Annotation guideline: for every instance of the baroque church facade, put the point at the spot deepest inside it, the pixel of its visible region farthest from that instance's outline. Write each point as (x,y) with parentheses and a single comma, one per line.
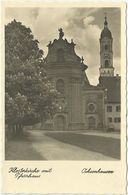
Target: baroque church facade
(83,106)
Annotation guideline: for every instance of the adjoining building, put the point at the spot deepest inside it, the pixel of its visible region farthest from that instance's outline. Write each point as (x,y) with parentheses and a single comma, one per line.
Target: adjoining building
(83,106)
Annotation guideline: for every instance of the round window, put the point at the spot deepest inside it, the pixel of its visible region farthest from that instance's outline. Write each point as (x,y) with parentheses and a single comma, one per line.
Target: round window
(91,107)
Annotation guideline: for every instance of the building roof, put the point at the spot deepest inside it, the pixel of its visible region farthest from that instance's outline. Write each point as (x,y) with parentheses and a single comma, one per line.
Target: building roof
(60,51)
(106,32)
(112,87)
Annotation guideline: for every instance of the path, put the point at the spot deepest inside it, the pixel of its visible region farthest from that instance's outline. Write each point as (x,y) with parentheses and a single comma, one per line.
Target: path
(52,149)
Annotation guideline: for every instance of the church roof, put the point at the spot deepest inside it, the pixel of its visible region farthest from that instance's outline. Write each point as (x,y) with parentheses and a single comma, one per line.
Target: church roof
(112,87)
(60,51)
(106,32)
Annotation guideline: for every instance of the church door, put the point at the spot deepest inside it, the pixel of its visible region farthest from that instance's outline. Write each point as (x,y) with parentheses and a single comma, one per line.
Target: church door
(60,123)
(91,122)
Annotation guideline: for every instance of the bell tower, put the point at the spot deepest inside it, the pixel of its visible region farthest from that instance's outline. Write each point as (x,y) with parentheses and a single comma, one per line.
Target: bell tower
(106,52)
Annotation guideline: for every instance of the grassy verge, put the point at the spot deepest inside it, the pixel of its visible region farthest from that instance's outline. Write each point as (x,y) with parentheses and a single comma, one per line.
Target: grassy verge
(21,149)
(105,145)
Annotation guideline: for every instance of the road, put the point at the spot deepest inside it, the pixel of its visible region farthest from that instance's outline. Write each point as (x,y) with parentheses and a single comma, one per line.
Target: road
(48,147)
(53,149)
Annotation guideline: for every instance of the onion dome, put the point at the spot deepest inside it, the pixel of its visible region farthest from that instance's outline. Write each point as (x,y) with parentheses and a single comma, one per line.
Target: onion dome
(106,32)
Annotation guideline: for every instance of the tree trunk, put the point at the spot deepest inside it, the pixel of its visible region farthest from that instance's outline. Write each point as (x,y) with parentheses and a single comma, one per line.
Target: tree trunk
(10,132)
(19,130)
(13,130)
(42,122)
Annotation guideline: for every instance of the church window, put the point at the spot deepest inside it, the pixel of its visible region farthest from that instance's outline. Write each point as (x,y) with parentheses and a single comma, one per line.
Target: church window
(91,107)
(109,108)
(60,55)
(106,47)
(106,63)
(110,119)
(60,86)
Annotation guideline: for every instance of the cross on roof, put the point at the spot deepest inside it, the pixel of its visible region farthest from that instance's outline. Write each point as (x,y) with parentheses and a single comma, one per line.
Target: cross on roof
(105,15)
(82,59)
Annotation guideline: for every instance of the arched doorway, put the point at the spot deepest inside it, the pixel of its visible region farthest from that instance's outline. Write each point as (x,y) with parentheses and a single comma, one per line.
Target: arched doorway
(91,122)
(60,123)
(106,63)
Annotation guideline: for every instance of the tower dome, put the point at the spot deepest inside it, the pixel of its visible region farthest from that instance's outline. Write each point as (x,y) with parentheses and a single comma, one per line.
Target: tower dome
(106,32)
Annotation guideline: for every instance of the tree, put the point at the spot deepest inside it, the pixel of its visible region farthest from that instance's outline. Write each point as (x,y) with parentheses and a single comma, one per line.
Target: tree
(30,97)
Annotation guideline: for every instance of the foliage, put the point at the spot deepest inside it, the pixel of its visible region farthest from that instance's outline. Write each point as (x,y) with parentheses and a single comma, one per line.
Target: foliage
(30,97)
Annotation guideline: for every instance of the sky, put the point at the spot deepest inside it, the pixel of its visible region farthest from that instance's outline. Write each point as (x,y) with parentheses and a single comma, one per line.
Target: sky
(83,25)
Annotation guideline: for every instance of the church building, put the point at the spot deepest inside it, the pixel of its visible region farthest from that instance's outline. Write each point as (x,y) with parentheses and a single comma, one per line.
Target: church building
(83,106)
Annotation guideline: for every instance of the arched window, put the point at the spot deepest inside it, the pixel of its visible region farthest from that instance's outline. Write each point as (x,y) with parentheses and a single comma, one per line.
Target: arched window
(106,47)
(60,55)
(60,86)
(106,63)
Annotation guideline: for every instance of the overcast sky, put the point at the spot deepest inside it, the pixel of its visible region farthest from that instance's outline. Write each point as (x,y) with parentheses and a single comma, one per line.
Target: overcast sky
(84,25)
